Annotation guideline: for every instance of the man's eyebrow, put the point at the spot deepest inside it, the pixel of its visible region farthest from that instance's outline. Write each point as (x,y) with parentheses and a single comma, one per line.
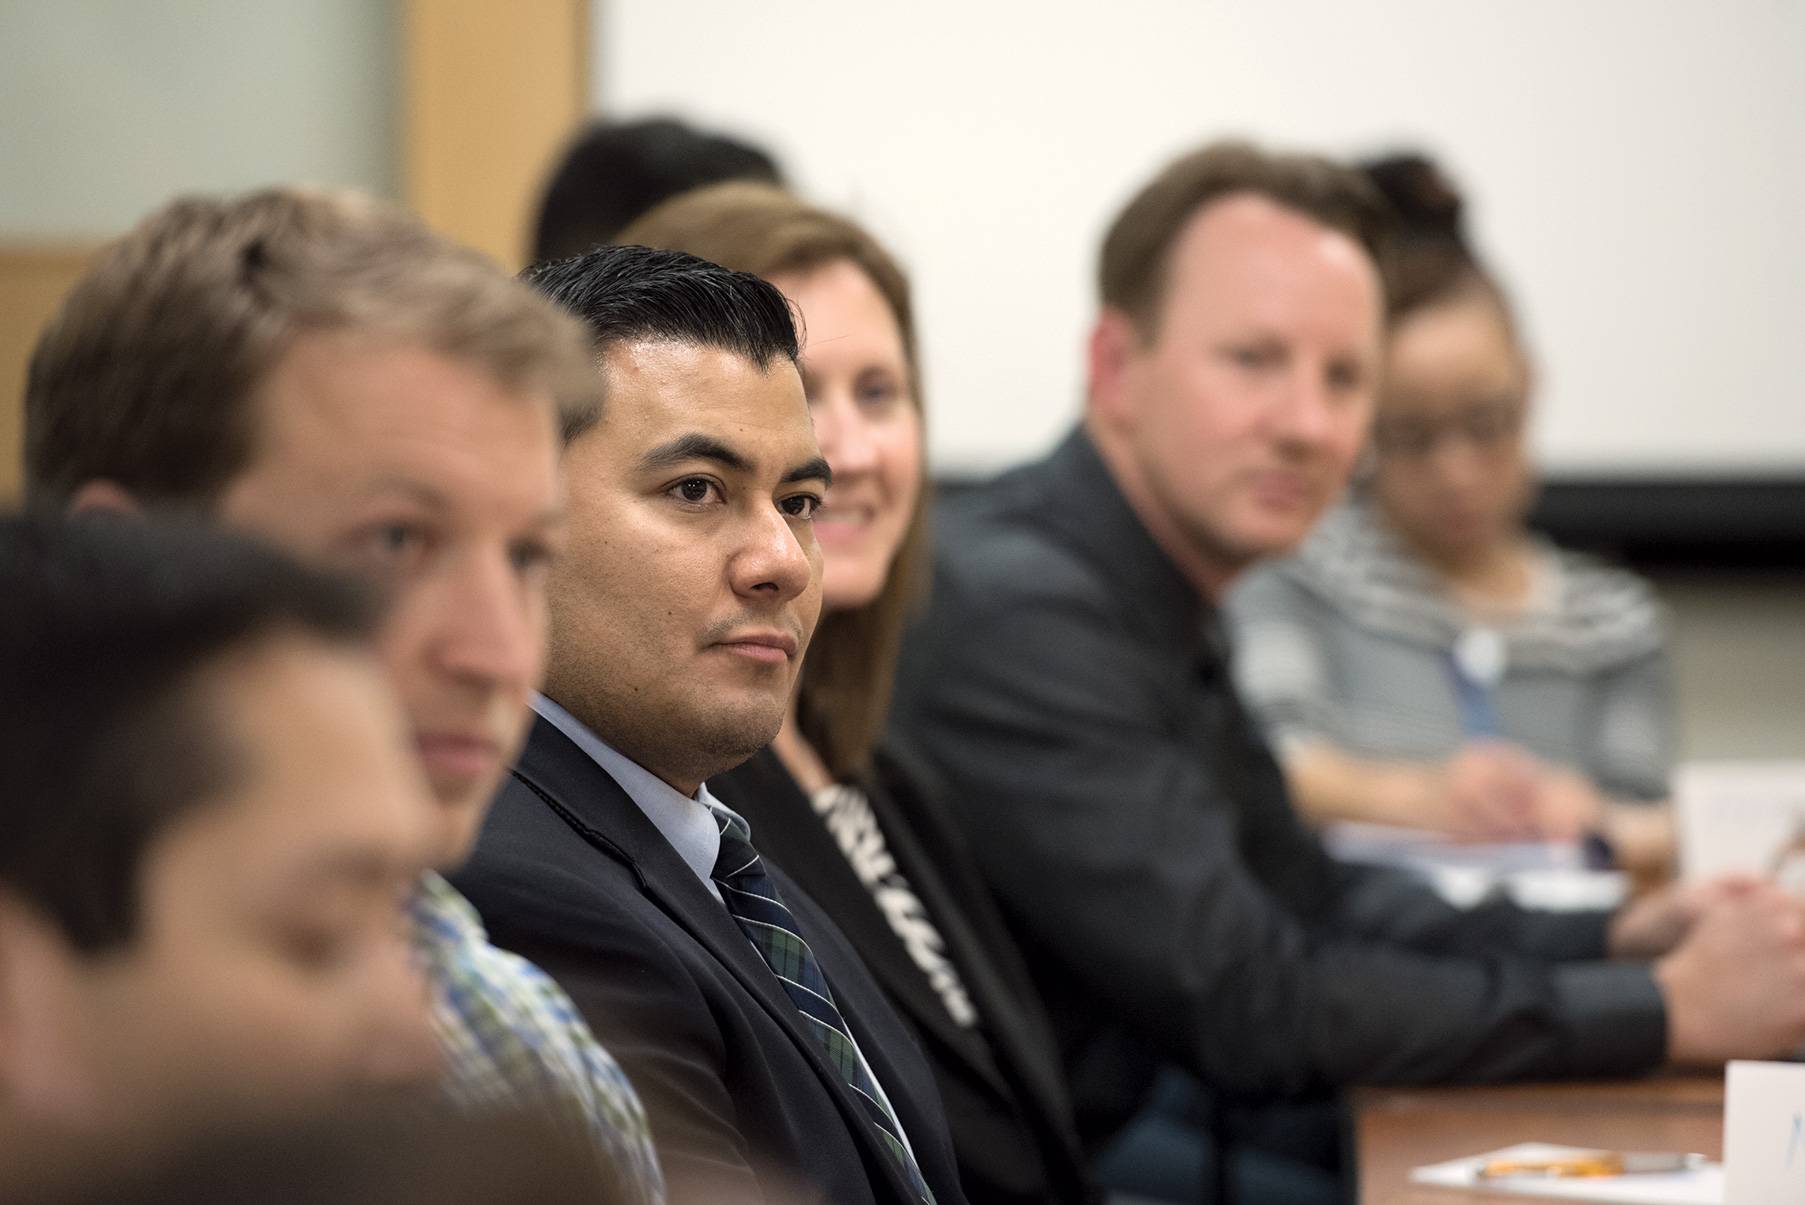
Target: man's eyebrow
(418,491)
(692,447)
(810,470)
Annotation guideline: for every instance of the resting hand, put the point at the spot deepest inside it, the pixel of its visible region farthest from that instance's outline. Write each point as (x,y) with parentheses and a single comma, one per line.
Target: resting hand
(1487,791)
(1735,987)
(1566,804)
(1659,921)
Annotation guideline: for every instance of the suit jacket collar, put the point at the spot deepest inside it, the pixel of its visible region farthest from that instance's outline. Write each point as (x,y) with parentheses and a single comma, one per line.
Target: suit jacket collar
(1079,499)
(599,811)
(765,792)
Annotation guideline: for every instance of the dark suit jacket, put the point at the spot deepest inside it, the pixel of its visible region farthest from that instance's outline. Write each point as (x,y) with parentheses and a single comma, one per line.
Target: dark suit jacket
(743,1106)
(1005,1095)
(1072,688)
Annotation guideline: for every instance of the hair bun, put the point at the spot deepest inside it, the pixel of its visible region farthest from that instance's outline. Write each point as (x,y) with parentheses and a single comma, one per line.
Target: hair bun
(1425,201)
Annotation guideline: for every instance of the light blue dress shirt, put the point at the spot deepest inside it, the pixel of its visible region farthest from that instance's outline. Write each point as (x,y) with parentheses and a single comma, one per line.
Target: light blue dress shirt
(688,824)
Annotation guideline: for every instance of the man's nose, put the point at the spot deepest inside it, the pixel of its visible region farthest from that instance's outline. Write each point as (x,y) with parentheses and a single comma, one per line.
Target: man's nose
(488,632)
(1305,414)
(774,562)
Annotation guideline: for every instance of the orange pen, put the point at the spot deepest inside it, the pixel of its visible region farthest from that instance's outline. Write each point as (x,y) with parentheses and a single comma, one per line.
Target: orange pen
(1579,1164)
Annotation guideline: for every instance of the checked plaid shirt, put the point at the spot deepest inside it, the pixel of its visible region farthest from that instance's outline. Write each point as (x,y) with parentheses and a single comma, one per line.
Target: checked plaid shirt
(511,1036)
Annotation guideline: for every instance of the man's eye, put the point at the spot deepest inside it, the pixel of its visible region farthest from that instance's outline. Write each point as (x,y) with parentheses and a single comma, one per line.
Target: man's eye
(1253,356)
(1346,378)
(319,950)
(801,506)
(398,537)
(394,546)
(694,490)
(530,555)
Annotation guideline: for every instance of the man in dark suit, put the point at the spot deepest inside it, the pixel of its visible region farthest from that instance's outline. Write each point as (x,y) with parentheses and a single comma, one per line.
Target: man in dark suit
(769,1061)
(1070,682)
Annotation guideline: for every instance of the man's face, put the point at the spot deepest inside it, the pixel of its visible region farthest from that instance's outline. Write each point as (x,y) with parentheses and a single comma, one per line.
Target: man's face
(1240,416)
(693,580)
(421,473)
(267,967)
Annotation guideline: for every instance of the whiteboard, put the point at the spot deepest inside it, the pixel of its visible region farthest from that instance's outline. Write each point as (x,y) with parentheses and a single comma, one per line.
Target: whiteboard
(1635,168)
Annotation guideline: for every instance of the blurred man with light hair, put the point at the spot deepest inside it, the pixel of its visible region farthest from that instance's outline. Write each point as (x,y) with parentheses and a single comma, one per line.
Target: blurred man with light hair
(325,372)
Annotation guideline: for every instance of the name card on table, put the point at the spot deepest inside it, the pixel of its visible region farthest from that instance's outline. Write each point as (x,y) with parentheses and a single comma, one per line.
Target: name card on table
(1742,817)
(1764,1134)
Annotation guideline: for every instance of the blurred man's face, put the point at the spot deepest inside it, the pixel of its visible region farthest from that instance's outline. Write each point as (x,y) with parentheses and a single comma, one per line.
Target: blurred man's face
(268,966)
(693,581)
(1237,420)
(421,473)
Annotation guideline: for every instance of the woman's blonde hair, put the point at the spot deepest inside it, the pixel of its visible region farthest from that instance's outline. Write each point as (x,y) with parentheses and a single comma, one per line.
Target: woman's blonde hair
(844,696)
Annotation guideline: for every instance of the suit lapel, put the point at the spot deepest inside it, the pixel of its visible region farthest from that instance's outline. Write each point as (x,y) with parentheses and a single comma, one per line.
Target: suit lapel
(602,814)
(786,828)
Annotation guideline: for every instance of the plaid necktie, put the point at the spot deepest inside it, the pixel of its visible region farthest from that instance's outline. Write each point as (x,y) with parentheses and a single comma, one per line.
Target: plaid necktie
(752,900)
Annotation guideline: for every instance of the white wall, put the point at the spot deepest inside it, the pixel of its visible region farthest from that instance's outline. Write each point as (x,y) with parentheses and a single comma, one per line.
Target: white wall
(109,107)
(1638,169)
(1739,665)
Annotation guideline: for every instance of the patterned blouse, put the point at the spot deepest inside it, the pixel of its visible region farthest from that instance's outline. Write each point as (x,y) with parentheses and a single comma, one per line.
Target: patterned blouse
(1352,643)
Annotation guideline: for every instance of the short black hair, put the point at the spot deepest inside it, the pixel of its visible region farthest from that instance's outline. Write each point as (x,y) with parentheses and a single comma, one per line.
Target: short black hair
(612,172)
(106,625)
(638,294)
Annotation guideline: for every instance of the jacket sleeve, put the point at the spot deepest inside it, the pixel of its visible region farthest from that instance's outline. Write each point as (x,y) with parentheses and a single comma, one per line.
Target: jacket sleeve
(648,1010)
(1099,817)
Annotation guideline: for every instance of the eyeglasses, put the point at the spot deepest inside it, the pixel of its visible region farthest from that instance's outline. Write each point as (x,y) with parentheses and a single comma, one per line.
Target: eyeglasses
(1484,427)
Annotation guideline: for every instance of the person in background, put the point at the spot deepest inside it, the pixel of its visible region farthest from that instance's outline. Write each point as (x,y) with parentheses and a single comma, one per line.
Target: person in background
(614,171)
(1425,659)
(856,822)
(1070,680)
(211,816)
(766,1053)
(325,372)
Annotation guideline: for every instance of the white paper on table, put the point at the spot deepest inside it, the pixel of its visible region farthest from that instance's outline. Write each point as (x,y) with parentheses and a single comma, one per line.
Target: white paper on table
(1745,817)
(1764,1134)
(1703,1185)
(1534,874)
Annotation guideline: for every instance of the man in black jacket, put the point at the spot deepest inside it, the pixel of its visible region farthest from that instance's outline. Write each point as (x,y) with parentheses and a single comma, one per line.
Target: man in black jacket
(771,1066)
(1070,682)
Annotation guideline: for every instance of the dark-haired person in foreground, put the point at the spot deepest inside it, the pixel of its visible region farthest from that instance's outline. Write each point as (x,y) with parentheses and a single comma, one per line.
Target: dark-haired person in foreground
(1071,682)
(858,824)
(210,815)
(769,1060)
(327,373)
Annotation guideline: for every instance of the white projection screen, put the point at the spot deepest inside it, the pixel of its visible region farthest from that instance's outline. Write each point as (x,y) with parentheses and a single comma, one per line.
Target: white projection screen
(1635,171)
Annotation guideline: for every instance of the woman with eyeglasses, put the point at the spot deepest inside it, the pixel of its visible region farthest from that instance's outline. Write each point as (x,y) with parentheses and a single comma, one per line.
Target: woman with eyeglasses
(1426,660)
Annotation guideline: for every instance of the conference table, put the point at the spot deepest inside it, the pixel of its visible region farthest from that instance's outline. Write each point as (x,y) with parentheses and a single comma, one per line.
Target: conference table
(1400,1129)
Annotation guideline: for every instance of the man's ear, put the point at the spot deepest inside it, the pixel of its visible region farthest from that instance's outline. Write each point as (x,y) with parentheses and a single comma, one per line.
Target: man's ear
(1109,356)
(101,495)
